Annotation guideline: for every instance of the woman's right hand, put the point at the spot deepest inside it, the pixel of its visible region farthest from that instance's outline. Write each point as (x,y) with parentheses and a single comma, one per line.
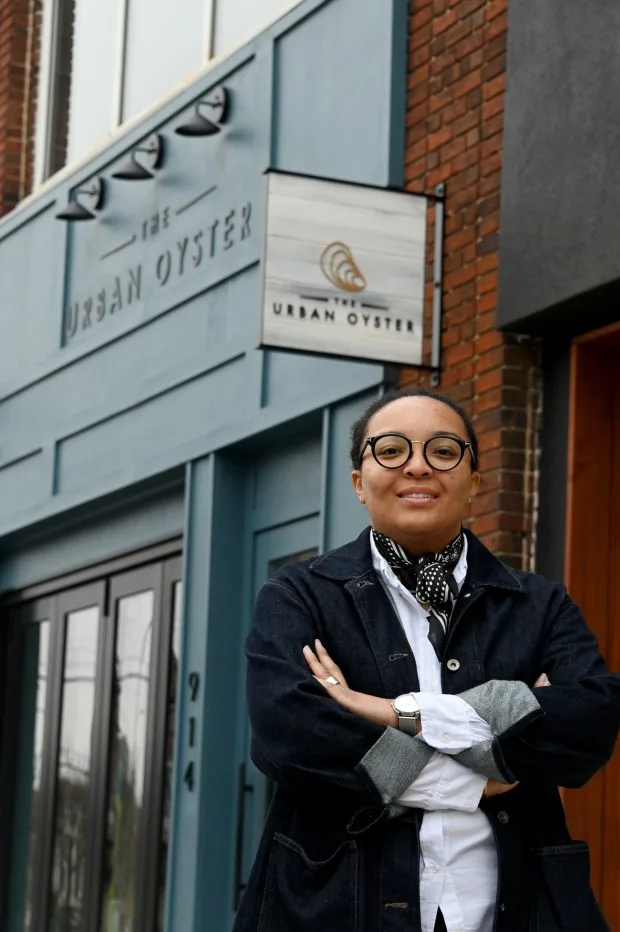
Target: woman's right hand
(496,788)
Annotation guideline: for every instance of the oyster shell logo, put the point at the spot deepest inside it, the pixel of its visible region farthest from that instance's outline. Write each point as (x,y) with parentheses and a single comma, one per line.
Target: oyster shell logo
(340,268)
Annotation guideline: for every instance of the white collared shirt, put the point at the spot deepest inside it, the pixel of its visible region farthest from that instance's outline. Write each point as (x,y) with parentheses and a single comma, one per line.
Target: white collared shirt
(458,864)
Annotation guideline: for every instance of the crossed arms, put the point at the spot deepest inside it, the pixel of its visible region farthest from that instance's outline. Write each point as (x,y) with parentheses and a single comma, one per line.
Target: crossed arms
(311,745)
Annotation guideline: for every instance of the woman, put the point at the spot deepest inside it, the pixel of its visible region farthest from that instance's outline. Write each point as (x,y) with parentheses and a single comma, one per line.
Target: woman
(417,703)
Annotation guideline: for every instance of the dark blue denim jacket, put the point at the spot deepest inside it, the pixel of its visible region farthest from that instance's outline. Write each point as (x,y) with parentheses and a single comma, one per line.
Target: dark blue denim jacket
(337,855)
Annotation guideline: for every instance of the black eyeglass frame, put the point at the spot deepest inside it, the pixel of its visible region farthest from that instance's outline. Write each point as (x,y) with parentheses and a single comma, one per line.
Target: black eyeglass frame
(463,444)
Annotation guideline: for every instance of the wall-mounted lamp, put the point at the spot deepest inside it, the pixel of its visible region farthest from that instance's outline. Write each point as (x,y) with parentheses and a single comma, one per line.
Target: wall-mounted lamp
(142,168)
(85,201)
(209,115)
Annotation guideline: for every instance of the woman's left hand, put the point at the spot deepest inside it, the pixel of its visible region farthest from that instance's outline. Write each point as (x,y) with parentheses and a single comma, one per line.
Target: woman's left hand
(373,708)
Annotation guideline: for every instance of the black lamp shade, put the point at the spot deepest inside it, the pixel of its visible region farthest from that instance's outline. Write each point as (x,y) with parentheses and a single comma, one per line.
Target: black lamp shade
(198,126)
(217,106)
(85,201)
(151,155)
(75,211)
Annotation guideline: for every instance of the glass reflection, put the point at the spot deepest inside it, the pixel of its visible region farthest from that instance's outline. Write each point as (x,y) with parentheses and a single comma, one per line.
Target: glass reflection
(29,765)
(130,698)
(237,19)
(171,706)
(73,775)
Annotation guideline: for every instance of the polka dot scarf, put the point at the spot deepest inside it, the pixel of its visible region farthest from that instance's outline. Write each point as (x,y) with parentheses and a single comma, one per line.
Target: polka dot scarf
(430,578)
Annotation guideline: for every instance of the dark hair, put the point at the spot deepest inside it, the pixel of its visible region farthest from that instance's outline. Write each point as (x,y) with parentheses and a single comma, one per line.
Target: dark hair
(359,428)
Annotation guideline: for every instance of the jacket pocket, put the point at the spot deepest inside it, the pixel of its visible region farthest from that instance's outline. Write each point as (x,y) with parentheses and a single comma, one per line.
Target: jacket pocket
(303,895)
(563,900)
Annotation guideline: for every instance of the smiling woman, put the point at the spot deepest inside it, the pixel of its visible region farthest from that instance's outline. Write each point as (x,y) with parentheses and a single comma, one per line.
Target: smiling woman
(414,462)
(416,702)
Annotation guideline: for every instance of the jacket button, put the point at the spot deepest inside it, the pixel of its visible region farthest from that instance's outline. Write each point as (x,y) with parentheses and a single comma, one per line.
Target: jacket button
(502,907)
(503,817)
(453,665)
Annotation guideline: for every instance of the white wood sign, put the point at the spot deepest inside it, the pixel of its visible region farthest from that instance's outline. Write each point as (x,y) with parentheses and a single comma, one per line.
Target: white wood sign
(343,270)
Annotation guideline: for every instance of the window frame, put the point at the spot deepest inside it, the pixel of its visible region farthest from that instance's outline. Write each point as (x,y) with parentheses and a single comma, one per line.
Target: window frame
(44,125)
(44,122)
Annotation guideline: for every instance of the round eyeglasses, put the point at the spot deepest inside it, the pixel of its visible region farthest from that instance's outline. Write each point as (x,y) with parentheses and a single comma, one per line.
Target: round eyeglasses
(393,451)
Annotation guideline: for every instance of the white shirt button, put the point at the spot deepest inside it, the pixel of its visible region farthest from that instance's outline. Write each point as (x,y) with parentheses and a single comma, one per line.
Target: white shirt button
(445,737)
(437,869)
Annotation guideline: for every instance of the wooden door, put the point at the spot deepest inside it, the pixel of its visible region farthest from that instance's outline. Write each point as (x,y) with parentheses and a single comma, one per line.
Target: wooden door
(593,577)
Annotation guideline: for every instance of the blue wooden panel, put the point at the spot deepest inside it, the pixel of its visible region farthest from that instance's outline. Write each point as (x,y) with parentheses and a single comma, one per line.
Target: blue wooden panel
(122,375)
(202,846)
(111,448)
(287,481)
(32,260)
(22,481)
(334,105)
(344,517)
(290,375)
(107,529)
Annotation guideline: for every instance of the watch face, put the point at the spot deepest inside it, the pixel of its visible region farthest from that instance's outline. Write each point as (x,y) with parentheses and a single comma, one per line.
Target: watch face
(406,705)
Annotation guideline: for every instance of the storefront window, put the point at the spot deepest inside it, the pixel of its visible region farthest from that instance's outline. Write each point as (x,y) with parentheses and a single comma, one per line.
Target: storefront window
(130,703)
(235,19)
(166,43)
(71,842)
(105,61)
(35,647)
(92,687)
(95,64)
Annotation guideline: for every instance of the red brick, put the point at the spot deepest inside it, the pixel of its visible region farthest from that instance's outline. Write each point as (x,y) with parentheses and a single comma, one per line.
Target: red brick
(456,105)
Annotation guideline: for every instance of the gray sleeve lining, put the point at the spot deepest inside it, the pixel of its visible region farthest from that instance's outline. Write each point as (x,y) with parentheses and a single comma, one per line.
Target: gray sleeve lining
(504,704)
(481,759)
(394,761)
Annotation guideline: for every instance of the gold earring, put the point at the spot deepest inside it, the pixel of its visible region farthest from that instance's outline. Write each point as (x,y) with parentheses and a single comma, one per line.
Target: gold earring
(469,501)
(362,499)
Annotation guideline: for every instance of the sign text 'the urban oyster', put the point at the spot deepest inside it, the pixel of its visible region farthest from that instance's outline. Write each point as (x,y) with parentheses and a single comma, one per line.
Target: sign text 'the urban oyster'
(167,256)
(343,270)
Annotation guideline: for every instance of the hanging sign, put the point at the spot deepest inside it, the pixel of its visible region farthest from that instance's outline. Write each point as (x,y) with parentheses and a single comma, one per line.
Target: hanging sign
(344,268)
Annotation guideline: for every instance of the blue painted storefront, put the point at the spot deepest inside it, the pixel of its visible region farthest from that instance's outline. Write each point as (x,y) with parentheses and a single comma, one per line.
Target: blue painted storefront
(134,405)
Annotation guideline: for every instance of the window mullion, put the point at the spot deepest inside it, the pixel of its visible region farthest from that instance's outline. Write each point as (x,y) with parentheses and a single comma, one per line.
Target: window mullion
(118,101)
(209,48)
(45,97)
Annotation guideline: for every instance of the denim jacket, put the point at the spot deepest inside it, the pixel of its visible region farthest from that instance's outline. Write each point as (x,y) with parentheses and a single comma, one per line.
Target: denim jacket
(337,855)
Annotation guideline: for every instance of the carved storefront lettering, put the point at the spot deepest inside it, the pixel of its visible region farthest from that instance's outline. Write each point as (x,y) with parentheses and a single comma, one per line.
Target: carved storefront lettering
(169,263)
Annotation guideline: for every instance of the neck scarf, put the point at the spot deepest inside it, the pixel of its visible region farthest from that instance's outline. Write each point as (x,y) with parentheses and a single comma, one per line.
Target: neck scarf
(430,577)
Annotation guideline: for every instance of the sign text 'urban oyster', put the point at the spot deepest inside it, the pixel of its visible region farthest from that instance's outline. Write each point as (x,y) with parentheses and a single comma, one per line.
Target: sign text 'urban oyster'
(343,270)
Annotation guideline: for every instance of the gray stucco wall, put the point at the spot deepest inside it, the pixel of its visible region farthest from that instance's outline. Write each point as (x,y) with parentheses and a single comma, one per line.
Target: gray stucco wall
(560,238)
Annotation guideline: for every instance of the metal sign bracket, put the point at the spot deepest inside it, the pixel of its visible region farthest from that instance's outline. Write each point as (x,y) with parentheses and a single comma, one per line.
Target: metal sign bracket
(440,216)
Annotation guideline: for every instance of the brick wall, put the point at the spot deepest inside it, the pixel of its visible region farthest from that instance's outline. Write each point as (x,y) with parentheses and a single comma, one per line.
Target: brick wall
(456,78)
(19,31)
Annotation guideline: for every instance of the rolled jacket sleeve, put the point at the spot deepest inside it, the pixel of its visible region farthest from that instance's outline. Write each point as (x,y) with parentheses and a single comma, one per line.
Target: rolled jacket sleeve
(559,734)
(301,738)
(577,730)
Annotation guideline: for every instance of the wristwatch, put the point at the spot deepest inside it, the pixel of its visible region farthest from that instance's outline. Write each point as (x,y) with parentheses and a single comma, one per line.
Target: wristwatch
(409,714)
